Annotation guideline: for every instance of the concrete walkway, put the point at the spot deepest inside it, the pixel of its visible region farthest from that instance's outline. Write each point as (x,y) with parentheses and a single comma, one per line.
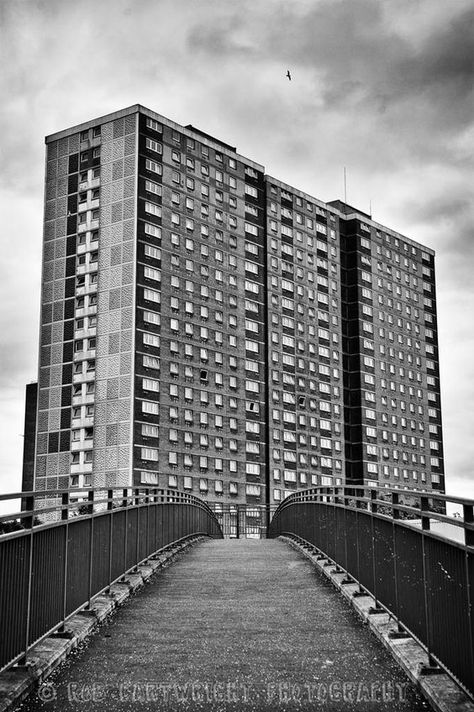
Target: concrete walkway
(233,625)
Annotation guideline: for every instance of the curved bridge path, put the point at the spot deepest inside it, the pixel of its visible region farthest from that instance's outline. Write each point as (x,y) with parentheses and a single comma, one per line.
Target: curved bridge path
(232,625)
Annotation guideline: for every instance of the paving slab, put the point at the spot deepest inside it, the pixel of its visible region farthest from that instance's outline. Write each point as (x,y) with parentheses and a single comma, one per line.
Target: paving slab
(234,625)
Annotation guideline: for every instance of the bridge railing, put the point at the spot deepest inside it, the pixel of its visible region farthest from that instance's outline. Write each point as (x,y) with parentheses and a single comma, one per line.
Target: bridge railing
(402,548)
(60,551)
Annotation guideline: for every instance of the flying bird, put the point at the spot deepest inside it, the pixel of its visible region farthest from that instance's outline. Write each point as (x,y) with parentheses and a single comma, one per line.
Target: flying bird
(288,74)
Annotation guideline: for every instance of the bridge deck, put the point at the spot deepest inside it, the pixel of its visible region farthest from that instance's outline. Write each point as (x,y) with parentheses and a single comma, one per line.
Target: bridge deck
(233,625)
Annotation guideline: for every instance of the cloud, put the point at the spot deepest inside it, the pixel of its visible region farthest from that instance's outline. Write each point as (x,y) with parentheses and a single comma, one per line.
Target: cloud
(382,88)
(354,57)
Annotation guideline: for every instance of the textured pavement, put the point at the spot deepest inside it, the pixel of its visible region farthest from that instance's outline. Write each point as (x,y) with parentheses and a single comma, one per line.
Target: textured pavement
(233,625)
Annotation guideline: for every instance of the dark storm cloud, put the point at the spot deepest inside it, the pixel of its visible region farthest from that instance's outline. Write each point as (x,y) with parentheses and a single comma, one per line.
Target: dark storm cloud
(447,57)
(359,57)
(452,216)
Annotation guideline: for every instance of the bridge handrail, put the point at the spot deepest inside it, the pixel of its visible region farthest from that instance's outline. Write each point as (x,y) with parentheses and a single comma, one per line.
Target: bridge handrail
(423,578)
(66,547)
(74,500)
(371,498)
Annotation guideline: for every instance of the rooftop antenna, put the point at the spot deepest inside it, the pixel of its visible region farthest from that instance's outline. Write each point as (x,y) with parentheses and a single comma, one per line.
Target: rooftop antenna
(345,186)
(370,207)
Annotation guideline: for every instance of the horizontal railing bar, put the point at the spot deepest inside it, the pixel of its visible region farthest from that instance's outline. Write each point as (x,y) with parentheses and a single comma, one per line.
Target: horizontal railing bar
(330,490)
(80,517)
(120,497)
(143,490)
(416,511)
(86,503)
(341,490)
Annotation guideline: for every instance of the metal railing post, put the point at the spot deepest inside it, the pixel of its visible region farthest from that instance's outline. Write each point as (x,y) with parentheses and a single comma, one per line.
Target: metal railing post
(147,502)
(425,526)
(125,538)
(344,504)
(137,545)
(110,509)
(28,522)
(372,509)
(395,517)
(65,517)
(90,498)
(468,516)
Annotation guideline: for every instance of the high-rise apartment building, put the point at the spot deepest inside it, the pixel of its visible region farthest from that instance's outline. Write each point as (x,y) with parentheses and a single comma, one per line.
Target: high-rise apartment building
(207,327)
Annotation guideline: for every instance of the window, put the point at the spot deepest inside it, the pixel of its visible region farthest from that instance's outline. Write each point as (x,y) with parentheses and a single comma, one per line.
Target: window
(250,190)
(149,384)
(251,229)
(151,362)
(152,145)
(172,458)
(153,252)
(151,295)
(150,407)
(153,125)
(152,230)
(252,490)
(153,167)
(153,187)
(151,339)
(151,273)
(149,431)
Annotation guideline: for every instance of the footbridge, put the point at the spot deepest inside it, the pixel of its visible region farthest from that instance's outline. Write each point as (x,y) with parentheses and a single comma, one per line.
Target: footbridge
(352,599)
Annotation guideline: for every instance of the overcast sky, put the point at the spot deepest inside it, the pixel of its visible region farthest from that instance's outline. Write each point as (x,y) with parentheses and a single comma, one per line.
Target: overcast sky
(384,87)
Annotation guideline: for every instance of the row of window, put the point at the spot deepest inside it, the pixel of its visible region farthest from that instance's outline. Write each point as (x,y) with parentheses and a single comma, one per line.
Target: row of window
(398,473)
(305,365)
(202,484)
(300,202)
(204,462)
(407,278)
(179,284)
(177,137)
(400,245)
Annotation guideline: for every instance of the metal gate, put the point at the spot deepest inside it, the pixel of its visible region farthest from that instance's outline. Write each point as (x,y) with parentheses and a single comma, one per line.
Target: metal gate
(243,521)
